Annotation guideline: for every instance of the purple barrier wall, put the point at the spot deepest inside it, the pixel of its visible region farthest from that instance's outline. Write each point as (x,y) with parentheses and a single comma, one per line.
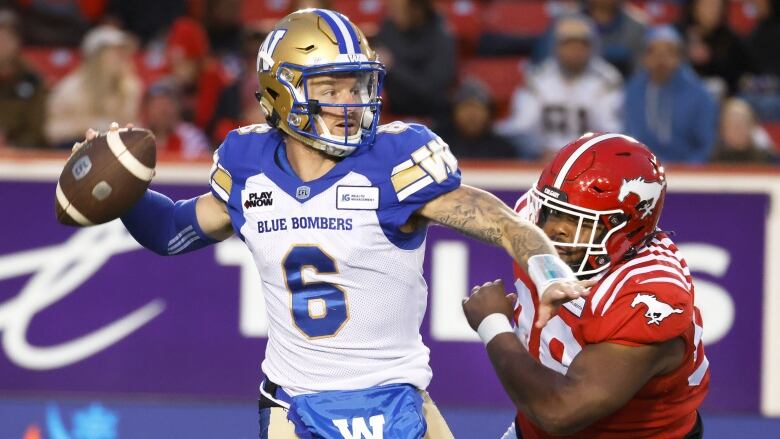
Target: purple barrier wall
(88,310)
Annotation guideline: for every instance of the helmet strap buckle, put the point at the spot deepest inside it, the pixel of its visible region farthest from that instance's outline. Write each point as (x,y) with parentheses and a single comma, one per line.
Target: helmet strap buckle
(314,107)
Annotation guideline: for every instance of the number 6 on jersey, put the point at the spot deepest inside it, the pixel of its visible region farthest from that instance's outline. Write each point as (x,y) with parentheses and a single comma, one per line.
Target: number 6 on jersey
(319,309)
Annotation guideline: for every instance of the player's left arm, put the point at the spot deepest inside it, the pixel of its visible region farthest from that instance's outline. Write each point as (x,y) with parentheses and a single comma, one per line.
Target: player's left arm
(602,378)
(481,215)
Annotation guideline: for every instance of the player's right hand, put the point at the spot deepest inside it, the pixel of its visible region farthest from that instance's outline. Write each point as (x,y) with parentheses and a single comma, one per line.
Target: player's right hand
(489,298)
(90,135)
(558,293)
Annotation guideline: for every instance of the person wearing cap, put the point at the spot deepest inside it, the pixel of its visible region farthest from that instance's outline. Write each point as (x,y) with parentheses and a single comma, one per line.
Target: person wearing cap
(469,130)
(667,106)
(200,78)
(620,27)
(22,91)
(162,115)
(104,88)
(573,92)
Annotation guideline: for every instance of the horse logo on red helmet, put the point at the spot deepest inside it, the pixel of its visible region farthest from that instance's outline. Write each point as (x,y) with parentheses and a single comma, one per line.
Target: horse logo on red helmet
(648,193)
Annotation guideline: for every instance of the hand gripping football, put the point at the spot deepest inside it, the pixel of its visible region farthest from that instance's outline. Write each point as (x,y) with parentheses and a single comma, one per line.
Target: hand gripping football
(105,177)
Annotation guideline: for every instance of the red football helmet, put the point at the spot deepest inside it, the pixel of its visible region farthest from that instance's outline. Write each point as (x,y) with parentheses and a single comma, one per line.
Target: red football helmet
(614,188)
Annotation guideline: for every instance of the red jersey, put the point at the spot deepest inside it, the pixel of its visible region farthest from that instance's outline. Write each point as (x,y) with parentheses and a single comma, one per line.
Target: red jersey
(646,299)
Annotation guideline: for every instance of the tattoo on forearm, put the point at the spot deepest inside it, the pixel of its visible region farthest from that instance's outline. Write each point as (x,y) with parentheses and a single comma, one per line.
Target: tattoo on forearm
(466,218)
(528,241)
(480,215)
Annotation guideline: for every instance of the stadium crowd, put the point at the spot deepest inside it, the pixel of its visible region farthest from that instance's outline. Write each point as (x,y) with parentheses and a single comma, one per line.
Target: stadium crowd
(698,81)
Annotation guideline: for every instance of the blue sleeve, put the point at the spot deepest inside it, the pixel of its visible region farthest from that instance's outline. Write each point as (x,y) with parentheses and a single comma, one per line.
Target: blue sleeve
(423,168)
(706,128)
(165,227)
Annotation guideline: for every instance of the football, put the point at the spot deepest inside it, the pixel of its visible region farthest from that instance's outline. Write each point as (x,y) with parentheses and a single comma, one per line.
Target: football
(102,180)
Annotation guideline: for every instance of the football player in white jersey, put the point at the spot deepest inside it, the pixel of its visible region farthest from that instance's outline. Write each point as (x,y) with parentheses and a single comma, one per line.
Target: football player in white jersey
(572,92)
(334,209)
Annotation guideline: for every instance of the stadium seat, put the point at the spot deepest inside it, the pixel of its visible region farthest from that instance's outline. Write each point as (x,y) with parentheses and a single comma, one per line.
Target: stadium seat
(464,17)
(659,11)
(151,65)
(366,14)
(501,75)
(517,17)
(263,13)
(52,63)
(742,16)
(773,129)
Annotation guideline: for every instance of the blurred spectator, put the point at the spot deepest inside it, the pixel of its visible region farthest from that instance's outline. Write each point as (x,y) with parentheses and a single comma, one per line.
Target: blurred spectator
(104,88)
(716,53)
(419,53)
(574,92)
(469,131)
(162,115)
(147,19)
(304,4)
(742,139)
(667,107)
(237,104)
(621,30)
(223,25)
(22,93)
(762,87)
(620,27)
(58,22)
(763,42)
(200,77)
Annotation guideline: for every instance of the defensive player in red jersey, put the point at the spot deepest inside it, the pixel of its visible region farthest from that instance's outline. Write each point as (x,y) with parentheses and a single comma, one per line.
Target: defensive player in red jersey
(626,360)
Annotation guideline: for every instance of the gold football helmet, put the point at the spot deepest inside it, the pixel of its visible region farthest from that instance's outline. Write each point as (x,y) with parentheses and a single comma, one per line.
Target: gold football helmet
(314,43)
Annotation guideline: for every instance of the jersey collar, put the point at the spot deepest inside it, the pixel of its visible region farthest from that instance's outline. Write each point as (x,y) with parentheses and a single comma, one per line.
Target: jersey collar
(281,172)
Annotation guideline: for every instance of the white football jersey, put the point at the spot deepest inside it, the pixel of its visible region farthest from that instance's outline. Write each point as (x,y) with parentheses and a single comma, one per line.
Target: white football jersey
(554,109)
(343,285)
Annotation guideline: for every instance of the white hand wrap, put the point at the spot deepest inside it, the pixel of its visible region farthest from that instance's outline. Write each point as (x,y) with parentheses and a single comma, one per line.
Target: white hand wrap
(493,325)
(546,269)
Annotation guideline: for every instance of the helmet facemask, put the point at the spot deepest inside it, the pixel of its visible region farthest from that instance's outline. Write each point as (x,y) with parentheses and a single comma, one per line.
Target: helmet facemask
(316,104)
(593,231)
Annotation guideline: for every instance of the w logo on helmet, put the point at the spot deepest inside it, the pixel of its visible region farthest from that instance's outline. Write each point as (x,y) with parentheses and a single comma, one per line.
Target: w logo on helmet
(266,52)
(648,193)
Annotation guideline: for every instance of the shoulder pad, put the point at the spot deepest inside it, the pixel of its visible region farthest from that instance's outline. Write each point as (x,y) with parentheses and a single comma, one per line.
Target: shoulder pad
(414,154)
